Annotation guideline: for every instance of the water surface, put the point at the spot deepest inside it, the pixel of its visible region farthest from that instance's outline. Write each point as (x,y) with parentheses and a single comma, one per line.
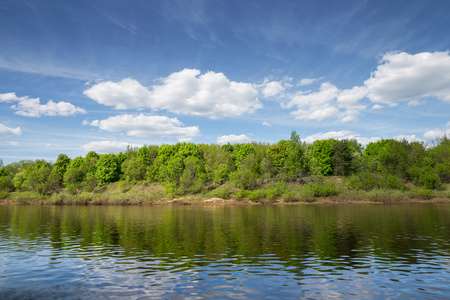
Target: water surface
(225,252)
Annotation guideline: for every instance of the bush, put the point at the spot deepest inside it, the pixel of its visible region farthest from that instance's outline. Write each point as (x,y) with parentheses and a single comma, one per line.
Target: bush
(318,189)
(362,181)
(430,180)
(240,194)
(6,184)
(3,194)
(277,191)
(222,193)
(391,182)
(367,181)
(257,195)
(421,193)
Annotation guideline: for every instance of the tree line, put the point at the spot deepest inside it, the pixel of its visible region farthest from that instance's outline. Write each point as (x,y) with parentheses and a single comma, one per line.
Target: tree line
(188,168)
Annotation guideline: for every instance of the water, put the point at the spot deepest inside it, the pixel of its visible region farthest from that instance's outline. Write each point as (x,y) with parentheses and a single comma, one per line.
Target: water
(232,252)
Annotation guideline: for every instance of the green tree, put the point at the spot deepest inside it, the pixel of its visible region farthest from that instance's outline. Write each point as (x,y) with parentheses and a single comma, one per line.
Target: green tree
(60,166)
(134,169)
(322,152)
(342,157)
(278,153)
(108,168)
(37,178)
(295,162)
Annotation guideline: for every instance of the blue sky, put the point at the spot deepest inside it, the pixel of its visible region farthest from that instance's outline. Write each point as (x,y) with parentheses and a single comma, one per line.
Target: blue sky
(97,75)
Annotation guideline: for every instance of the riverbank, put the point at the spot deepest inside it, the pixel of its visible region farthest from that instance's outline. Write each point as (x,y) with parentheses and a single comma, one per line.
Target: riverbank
(154,194)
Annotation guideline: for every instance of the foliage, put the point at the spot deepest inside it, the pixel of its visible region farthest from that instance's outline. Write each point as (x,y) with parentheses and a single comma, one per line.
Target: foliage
(362,181)
(322,152)
(108,168)
(257,170)
(295,161)
(343,156)
(421,193)
(321,189)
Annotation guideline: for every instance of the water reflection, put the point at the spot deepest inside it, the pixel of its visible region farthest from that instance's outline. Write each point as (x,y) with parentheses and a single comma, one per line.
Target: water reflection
(359,251)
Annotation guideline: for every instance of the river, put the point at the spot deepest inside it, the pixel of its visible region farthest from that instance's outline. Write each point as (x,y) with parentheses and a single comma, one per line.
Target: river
(363,251)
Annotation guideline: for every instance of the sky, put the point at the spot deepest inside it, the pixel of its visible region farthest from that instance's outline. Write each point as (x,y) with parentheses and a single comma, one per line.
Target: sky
(99,75)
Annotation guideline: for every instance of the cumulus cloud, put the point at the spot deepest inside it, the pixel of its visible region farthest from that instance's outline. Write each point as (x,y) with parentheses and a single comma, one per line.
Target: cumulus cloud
(31,107)
(328,102)
(232,139)
(340,135)
(399,77)
(272,88)
(108,146)
(147,126)
(186,92)
(408,77)
(6,131)
(437,132)
(409,138)
(266,124)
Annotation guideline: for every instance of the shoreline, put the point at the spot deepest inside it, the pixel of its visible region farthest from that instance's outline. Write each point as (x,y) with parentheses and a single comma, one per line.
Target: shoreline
(200,201)
(154,194)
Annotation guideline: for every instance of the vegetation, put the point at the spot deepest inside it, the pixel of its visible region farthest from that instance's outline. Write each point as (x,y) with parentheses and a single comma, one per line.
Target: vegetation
(289,170)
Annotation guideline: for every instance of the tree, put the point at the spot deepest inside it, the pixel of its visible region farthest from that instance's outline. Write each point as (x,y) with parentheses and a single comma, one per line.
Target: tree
(37,179)
(134,169)
(108,168)
(295,162)
(342,157)
(322,152)
(60,166)
(278,153)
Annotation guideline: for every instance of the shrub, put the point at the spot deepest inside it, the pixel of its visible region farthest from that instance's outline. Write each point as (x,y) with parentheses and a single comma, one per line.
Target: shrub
(430,180)
(277,191)
(222,193)
(362,181)
(391,182)
(257,195)
(3,194)
(421,193)
(318,189)
(240,194)
(6,184)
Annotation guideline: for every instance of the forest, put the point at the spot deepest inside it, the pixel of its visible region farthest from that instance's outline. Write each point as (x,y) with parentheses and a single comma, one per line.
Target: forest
(291,170)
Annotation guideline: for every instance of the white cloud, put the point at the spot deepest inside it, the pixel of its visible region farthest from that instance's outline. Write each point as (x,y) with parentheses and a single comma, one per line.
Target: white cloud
(13,143)
(340,135)
(125,94)
(232,139)
(352,96)
(272,88)
(437,132)
(108,146)
(328,102)
(147,126)
(31,107)
(398,77)
(308,81)
(408,77)
(6,131)
(186,92)
(409,138)
(266,124)
(343,134)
